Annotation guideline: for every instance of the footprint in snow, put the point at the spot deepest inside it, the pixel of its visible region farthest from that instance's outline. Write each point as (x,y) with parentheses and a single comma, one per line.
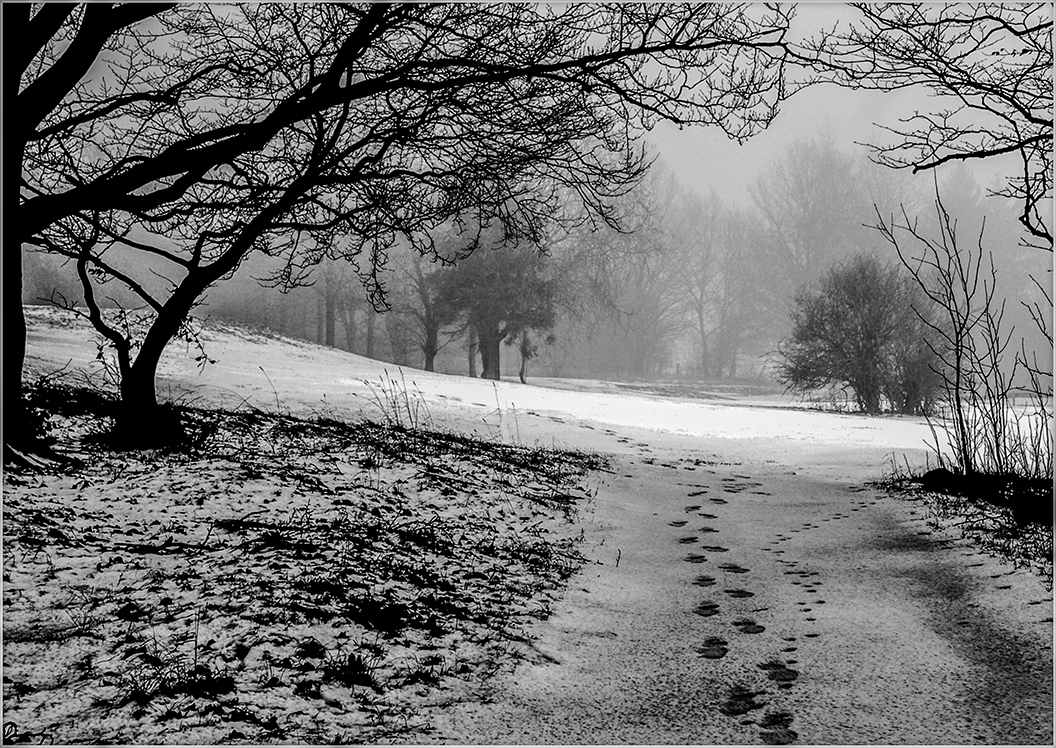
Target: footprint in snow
(739,593)
(734,568)
(741,701)
(777,729)
(714,648)
(748,626)
(707,609)
(779,672)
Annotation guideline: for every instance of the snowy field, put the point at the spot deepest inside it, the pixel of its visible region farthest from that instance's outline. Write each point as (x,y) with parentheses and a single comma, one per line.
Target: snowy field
(301,377)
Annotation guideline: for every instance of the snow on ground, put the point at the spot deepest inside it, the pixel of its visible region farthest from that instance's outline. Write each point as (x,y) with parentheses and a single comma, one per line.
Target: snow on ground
(742,584)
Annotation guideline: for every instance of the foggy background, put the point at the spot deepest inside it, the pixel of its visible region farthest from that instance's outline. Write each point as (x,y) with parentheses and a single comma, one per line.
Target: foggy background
(720,237)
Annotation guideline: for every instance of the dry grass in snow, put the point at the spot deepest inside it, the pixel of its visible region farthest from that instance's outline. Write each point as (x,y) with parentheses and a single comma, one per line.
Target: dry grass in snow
(274,580)
(988,526)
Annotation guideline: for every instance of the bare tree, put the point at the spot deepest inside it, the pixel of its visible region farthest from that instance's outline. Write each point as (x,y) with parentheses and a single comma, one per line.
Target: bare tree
(810,215)
(989,65)
(645,275)
(738,312)
(418,300)
(655,305)
(988,434)
(46,55)
(696,227)
(325,130)
(864,328)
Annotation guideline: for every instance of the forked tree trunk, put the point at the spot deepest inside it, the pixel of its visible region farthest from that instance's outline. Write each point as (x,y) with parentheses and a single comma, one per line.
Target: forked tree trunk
(141,421)
(430,347)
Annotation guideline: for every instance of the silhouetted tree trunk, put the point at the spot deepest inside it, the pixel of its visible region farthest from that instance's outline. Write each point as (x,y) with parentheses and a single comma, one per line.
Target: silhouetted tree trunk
(527,351)
(397,338)
(15,19)
(705,364)
(24,38)
(14,15)
(141,420)
(471,352)
(348,320)
(489,342)
(13,315)
(430,348)
(427,314)
(303,332)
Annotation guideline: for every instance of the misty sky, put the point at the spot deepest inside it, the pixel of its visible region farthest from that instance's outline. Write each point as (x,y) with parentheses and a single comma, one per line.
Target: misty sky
(704,158)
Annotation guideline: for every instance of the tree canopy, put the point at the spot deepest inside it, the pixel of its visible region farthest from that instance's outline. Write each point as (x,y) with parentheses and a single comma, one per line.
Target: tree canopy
(501,293)
(204,133)
(989,65)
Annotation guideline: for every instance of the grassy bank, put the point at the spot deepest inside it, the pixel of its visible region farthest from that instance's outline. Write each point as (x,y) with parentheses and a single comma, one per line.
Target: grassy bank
(274,579)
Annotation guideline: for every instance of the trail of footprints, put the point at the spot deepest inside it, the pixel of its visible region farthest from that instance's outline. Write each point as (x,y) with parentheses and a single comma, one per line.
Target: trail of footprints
(775,726)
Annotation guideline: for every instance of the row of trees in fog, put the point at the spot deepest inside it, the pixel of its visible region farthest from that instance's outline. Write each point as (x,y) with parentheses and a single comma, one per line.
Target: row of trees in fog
(691,285)
(476,171)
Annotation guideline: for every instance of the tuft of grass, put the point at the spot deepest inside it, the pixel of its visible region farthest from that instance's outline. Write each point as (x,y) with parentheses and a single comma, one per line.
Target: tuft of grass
(401,406)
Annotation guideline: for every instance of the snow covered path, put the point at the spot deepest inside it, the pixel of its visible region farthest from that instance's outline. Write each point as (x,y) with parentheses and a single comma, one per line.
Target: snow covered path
(751,603)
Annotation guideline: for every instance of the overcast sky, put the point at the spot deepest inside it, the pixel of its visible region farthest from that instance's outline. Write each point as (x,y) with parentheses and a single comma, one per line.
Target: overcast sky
(704,158)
